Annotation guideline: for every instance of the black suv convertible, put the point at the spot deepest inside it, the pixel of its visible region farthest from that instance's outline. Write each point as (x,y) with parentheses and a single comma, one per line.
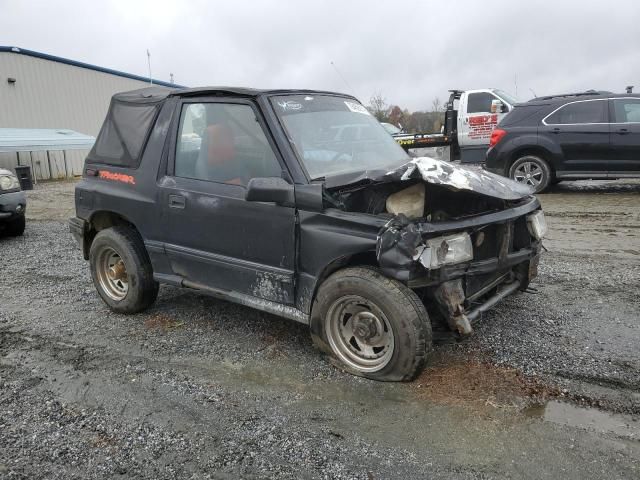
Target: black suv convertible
(590,135)
(259,197)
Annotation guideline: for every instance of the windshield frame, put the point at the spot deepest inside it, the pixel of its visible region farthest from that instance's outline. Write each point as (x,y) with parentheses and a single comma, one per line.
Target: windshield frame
(270,101)
(397,130)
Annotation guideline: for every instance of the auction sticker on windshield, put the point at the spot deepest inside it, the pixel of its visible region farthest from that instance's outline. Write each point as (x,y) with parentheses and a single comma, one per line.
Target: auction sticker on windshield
(290,105)
(356,107)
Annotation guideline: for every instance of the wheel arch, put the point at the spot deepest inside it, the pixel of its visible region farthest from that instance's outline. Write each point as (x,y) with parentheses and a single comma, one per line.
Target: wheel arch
(359,259)
(534,150)
(101,220)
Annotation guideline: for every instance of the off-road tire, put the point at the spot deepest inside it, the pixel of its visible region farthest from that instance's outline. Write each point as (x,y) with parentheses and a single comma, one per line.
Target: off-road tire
(142,289)
(15,228)
(402,308)
(547,174)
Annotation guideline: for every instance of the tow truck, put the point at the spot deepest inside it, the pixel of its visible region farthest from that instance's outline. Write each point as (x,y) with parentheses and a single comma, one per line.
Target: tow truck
(469,119)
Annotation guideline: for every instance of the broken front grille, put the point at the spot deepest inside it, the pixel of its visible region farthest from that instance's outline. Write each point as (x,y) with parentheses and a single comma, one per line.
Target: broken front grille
(498,240)
(486,243)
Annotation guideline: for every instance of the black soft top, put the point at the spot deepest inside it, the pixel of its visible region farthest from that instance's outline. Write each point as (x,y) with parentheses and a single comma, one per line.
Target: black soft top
(158,94)
(142,96)
(132,114)
(151,95)
(248,92)
(127,126)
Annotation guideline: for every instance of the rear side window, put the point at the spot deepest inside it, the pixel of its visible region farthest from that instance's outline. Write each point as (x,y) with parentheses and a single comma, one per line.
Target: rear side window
(592,111)
(520,114)
(480,102)
(626,110)
(123,134)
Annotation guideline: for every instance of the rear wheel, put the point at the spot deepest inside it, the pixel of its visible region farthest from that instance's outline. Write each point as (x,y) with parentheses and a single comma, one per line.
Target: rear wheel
(371,325)
(532,171)
(121,270)
(15,227)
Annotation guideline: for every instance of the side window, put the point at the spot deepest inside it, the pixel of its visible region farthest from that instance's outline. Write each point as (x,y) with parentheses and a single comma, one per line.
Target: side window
(593,111)
(626,110)
(224,143)
(123,134)
(480,102)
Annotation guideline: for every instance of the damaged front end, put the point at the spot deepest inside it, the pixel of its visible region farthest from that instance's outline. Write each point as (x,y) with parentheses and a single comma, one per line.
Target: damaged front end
(464,239)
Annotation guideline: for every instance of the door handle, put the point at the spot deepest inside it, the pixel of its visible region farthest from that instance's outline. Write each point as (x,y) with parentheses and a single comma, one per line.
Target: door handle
(555,130)
(622,131)
(177,201)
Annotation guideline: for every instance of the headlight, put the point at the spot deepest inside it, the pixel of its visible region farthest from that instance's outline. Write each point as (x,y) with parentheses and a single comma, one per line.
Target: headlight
(537,225)
(9,182)
(446,251)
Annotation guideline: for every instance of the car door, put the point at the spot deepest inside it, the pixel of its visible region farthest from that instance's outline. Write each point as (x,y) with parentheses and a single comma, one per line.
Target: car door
(213,236)
(624,137)
(476,121)
(581,130)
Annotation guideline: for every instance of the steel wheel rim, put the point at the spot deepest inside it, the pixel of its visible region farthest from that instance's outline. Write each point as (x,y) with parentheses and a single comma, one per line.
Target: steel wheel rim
(529,173)
(359,333)
(112,274)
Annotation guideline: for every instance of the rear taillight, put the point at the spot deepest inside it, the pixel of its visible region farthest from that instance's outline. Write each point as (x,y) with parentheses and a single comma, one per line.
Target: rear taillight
(496,136)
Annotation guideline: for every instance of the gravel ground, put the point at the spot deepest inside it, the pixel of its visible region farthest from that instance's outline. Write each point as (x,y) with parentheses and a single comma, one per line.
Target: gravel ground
(199,388)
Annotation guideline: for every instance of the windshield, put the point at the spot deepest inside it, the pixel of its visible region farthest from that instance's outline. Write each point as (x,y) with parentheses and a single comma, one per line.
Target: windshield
(510,99)
(336,135)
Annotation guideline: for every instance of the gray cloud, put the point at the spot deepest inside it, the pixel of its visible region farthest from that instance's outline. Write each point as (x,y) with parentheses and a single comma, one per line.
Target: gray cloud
(410,51)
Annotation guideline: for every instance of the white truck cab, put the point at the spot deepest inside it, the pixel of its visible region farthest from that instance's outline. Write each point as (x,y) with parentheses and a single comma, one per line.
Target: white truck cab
(478,113)
(470,117)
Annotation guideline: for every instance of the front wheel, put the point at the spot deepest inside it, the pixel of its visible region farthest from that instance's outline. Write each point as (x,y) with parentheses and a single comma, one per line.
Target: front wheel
(371,325)
(532,171)
(121,270)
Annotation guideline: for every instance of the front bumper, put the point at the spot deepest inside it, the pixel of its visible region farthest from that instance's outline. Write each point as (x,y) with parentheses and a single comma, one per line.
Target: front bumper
(12,205)
(462,308)
(505,260)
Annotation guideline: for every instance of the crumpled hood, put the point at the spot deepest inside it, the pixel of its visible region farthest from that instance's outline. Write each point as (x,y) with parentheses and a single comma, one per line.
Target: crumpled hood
(439,172)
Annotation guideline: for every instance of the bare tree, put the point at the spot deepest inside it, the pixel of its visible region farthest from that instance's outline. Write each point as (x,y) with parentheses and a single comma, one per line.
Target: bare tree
(436,106)
(378,106)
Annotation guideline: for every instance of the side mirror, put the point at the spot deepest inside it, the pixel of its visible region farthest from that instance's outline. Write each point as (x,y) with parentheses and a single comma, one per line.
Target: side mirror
(270,189)
(496,106)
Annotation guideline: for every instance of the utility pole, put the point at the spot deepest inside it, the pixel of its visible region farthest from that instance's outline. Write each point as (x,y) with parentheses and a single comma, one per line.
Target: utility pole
(149,64)
(171,77)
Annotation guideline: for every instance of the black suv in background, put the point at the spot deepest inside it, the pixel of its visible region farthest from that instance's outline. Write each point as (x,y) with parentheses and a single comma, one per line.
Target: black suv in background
(590,135)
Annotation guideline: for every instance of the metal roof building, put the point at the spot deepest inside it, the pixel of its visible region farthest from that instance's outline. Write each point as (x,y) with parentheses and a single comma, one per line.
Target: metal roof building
(40,91)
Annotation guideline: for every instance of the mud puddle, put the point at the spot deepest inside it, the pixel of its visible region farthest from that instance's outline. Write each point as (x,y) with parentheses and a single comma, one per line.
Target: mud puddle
(476,383)
(562,413)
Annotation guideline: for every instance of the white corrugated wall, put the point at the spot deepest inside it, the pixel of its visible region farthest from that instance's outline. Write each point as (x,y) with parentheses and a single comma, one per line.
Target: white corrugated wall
(48,94)
(57,164)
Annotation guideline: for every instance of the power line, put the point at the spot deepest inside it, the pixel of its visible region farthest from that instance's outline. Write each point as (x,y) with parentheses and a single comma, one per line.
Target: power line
(343,79)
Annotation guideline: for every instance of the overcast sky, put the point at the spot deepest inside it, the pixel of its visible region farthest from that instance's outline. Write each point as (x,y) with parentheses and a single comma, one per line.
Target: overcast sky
(410,51)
